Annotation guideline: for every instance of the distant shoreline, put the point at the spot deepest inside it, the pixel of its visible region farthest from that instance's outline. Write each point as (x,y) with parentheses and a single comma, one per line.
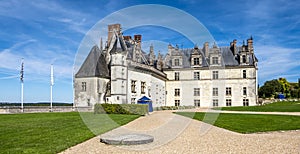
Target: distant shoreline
(36,104)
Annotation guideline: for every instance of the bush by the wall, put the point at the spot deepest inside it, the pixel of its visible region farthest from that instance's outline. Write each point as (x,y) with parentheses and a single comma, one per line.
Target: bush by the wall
(139,109)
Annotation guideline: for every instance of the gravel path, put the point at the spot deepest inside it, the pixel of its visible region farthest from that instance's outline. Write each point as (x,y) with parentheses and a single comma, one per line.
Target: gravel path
(177,134)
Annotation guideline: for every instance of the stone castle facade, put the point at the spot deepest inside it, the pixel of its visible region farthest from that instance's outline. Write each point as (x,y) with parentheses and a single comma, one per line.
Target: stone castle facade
(121,72)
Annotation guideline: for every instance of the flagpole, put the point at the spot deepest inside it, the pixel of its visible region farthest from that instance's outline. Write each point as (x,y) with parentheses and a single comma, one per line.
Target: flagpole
(22,85)
(22,97)
(51,85)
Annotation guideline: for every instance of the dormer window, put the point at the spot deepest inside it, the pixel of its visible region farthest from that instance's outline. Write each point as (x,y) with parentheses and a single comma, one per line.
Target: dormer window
(215,60)
(196,61)
(244,58)
(176,62)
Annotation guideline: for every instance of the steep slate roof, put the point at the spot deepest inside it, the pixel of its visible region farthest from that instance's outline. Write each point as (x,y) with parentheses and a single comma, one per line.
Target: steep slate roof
(94,65)
(228,57)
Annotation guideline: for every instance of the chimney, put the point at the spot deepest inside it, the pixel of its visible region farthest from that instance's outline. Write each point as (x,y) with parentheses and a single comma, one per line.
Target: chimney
(233,47)
(127,38)
(206,49)
(111,28)
(250,44)
(138,38)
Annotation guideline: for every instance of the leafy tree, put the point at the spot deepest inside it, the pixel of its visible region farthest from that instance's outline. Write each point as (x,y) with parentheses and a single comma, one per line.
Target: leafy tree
(286,86)
(270,88)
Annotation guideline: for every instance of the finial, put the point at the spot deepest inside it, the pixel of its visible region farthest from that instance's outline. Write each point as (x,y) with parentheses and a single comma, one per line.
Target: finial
(214,45)
(196,46)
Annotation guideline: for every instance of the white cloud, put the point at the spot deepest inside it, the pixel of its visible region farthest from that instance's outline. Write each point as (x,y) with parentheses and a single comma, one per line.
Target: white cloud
(276,61)
(35,67)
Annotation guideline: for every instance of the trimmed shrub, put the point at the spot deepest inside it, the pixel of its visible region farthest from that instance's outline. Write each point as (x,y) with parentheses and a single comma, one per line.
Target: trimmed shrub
(138,109)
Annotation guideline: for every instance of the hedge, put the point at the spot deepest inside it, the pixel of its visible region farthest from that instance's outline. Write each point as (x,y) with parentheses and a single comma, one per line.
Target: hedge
(138,109)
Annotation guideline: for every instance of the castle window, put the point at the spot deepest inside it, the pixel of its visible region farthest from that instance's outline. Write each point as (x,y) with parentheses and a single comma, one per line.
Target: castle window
(215,91)
(244,59)
(215,102)
(177,92)
(143,87)
(176,75)
(197,102)
(196,75)
(245,102)
(132,100)
(215,60)
(244,74)
(228,102)
(133,82)
(176,62)
(215,74)
(244,90)
(228,91)
(196,61)
(177,102)
(83,86)
(196,91)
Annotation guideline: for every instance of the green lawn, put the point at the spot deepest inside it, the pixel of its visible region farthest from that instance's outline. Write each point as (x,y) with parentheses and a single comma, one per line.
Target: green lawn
(247,123)
(273,107)
(53,132)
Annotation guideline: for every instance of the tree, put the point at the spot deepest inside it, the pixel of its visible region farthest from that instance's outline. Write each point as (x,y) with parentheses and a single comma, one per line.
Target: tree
(270,88)
(286,86)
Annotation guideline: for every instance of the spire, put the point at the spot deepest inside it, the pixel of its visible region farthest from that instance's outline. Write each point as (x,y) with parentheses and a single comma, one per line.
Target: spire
(151,55)
(101,44)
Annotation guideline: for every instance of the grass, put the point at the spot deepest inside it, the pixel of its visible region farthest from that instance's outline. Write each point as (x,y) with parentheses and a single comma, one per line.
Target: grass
(273,107)
(53,132)
(247,123)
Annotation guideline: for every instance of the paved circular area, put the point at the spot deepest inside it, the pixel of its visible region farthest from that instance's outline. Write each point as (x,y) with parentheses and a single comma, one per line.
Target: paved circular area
(127,139)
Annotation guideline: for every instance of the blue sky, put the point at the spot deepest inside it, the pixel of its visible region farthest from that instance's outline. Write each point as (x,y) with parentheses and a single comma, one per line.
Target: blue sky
(50,32)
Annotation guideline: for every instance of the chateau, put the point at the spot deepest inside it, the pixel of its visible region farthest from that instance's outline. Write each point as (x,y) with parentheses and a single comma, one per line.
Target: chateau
(121,72)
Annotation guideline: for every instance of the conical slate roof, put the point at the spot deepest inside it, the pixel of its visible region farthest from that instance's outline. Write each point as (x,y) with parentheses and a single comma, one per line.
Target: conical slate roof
(94,65)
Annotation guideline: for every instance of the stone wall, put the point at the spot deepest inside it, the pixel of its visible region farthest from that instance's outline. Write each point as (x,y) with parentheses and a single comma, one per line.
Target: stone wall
(39,109)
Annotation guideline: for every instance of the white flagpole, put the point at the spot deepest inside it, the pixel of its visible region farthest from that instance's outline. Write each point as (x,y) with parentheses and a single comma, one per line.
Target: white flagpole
(22,85)
(51,85)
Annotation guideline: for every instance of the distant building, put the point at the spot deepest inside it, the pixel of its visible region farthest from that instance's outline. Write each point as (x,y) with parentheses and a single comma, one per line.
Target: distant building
(120,72)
